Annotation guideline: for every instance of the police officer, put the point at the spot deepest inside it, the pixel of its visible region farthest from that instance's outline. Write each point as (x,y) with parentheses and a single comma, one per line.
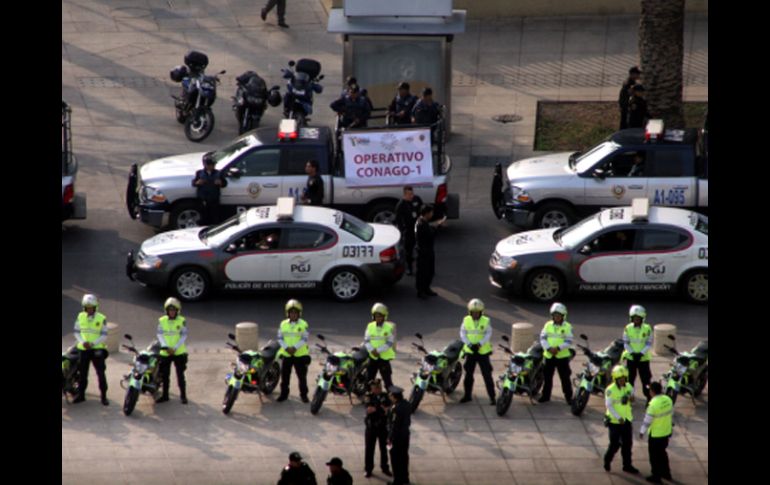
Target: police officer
(292,336)
(625,95)
(426,258)
(377,406)
(658,422)
(399,420)
(556,338)
(637,340)
(637,108)
(476,332)
(172,333)
(339,476)
(378,340)
(618,398)
(314,189)
(353,109)
(297,472)
(407,212)
(281,12)
(426,111)
(91,333)
(209,181)
(400,109)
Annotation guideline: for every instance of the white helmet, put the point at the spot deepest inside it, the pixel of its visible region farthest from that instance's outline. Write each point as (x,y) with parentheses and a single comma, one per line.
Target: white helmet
(173,303)
(637,311)
(559,308)
(475,305)
(90,300)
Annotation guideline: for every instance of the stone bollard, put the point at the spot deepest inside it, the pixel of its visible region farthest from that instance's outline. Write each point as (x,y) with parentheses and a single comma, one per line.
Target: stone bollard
(113,338)
(247,335)
(522,336)
(660,337)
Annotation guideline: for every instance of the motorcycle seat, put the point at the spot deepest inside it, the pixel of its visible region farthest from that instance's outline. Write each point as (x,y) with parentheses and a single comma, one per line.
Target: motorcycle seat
(268,351)
(360,355)
(615,350)
(452,351)
(701,352)
(536,351)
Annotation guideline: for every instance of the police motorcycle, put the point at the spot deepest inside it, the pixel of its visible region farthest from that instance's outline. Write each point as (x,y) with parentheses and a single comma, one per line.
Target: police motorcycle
(596,374)
(255,372)
(302,81)
(439,372)
(199,92)
(343,373)
(689,371)
(70,372)
(251,100)
(144,376)
(523,376)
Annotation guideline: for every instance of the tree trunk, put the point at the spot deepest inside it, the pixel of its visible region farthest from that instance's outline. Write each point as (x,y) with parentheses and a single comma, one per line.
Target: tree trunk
(661,49)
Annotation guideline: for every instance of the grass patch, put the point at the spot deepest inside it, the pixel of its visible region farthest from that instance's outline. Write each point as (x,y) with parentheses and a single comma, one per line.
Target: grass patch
(575,125)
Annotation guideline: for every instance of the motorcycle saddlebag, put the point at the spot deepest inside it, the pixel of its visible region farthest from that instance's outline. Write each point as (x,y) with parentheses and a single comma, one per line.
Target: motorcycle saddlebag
(178,73)
(309,66)
(244,78)
(196,61)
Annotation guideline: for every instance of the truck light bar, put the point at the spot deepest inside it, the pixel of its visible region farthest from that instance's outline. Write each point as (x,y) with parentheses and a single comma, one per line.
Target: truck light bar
(287,129)
(285,208)
(640,210)
(654,130)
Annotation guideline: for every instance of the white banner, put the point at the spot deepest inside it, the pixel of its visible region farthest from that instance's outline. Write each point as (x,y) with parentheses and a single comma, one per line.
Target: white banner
(396,157)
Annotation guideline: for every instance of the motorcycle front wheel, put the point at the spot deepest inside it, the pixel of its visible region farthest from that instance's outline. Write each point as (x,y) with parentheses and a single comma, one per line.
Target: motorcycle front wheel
(318,400)
(704,378)
(198,126)
(270,381)
(579,402)
(132,394)
(231,394)
(504,402)
(415,398)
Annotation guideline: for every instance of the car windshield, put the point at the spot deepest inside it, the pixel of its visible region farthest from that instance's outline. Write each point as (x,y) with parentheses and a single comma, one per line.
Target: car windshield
(570,237)
(227,153)
(218,235)
(700,222)
(592,157)
(357,227)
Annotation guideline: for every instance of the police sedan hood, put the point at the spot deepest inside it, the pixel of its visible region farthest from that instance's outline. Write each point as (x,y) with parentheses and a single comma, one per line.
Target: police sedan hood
(174,242)
(539,241)
(546,165)
(171,167)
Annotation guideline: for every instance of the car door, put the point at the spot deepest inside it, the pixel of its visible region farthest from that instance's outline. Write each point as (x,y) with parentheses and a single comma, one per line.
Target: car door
(609,257)
(293,176)
(661,254)
(672,176)
(615,183)
(306,250)
(255,257)
(253,178)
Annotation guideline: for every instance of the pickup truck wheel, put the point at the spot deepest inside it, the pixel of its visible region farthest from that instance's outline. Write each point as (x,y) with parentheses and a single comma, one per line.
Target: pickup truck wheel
(345,284)
(695,286)
(382,213)
(190,284)
(186,214)
(554,214)
(544,285)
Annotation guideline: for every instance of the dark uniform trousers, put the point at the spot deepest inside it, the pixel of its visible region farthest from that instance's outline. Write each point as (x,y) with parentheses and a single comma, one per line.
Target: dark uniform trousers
(300,365)
(210,211)
(399,458)
(562,365)
(376,431)
(180,365)
(620,439)
(645,375)
(281,8)
(97,356)
(383,366)
(658,457)
(486,371)
(426,268)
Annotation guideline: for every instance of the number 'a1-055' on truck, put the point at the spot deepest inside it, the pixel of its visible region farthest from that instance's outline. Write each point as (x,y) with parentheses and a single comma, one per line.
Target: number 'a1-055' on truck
(268,163)
(668,167)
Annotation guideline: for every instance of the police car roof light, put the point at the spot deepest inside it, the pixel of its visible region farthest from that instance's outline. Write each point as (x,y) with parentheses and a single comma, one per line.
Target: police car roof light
(654,130)
(287,129)
(640,210)
(285,208)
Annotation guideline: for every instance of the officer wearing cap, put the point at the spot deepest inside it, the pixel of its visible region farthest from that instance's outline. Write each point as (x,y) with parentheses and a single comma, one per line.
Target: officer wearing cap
(625,94)
(637,108)
(400,109)
(377,406)
(297,472)
(399,420)
(339,476)
(208,183)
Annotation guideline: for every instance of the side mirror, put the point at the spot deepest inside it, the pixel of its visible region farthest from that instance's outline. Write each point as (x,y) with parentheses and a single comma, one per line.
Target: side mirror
(234,173)
(585,249)
(418,335)
(231,336)
(320,77)
(222,71)
(292,63)
(321,337)
(583,336)
(671,337)
(599,174)
(505,337)
(128,336)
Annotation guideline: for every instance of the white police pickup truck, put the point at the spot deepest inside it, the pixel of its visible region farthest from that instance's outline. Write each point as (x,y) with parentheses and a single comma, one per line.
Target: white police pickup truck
(73,205)
(668,167)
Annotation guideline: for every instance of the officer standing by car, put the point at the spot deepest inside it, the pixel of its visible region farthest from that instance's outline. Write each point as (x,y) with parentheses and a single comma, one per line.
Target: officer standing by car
(556,339)
(637,108)
(400,108)
(172,333)
(209,181)
(378,340)
(314,190)
(625,95)
(377,406)
(399,420)
(426,258)
(637,340)
(353,109)
(476,332)
(659,423)
(297,472)
(407,212)
(91,334)
(618,398)
(292,336)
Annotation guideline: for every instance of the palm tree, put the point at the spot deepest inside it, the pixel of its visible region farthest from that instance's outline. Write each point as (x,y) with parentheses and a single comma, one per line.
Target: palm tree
(661,48)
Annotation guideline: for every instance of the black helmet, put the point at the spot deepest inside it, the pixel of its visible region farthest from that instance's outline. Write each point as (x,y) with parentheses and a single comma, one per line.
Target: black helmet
(301,80)
(274,98)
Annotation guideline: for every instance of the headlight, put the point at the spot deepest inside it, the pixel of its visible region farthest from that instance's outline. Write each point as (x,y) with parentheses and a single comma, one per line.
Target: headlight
(680,369)
(514,368)
(501,261)
(140,367)
(254,100)
(427,367)
(145,261)
(520,195)
(331,368)
(243,367)
(592,368)
(152,194)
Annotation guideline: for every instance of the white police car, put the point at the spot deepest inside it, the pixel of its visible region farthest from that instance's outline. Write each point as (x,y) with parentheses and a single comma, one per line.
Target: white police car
(637,248)
(276,247)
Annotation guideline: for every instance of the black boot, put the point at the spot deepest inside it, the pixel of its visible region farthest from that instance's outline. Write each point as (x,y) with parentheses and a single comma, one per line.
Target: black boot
(80,398)
(162,398)
(105,401)
(466,398)
(284,396)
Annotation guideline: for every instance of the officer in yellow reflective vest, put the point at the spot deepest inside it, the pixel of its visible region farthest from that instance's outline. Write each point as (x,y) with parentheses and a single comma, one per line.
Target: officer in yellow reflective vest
(556,339)
(659,423)
(172,333)
(91,334)
(378,340)
(618,398)
(637,340)
(293,336)
(476,332)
